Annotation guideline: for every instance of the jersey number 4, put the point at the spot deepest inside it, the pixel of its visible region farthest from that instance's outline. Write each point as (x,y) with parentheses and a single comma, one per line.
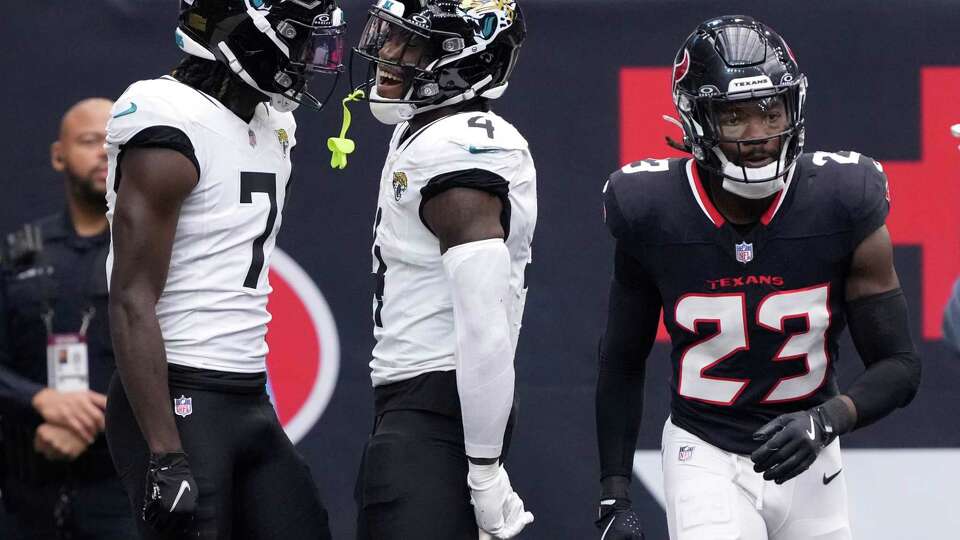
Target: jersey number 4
(729,312)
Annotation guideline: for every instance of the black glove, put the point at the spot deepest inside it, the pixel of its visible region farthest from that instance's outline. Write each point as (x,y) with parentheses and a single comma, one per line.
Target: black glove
(171,498)
(793,442)
(617,521)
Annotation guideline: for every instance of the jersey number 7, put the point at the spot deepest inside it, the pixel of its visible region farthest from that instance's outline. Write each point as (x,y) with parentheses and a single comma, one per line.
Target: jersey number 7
(258,182)
(729,312)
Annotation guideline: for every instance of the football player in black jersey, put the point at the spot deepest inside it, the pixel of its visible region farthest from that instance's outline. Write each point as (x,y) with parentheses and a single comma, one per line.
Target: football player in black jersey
(758,256)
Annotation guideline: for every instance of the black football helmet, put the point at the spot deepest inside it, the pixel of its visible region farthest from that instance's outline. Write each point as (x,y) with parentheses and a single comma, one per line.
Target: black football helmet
(275,46)
(471,48)
(736,58)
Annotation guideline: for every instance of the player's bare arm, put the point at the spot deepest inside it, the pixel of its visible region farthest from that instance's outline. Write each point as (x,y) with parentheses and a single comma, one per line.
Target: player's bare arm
(461,215)
(878,320)
(632,318)
(154,184)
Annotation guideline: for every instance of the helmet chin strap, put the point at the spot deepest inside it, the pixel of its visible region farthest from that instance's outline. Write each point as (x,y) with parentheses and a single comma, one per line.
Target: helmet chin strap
(754,182)
(392,112)
(279,102)
(389,111)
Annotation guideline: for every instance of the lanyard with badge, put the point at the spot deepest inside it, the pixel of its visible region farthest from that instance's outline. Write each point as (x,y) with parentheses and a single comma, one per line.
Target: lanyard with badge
(68,361)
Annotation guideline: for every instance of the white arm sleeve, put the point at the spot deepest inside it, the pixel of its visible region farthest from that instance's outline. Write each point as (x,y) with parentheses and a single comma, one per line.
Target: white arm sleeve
(479,277)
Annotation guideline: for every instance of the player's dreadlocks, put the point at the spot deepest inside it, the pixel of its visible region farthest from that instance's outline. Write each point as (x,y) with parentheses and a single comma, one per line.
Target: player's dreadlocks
(211,78)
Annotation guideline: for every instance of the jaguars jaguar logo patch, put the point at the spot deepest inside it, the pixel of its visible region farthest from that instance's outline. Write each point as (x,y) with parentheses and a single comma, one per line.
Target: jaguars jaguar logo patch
(284,140)
(399,185)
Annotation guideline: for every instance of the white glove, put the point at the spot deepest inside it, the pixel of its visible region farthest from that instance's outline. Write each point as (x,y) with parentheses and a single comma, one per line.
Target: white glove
(955,130)
(498,509)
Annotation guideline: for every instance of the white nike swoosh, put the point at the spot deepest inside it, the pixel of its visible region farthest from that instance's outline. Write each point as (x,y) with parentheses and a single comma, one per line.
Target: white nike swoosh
(812,433)
(604,535)
(184,486)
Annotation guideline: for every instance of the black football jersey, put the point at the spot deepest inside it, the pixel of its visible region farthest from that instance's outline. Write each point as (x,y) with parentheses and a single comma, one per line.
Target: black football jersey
(753,319)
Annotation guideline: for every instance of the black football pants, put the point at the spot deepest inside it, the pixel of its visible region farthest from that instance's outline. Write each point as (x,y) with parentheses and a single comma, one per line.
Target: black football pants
(413,480)
(252,482)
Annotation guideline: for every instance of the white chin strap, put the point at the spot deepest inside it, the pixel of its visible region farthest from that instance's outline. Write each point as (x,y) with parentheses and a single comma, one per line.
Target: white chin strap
(390,111)
(279,102)
(758,183)
(393,111)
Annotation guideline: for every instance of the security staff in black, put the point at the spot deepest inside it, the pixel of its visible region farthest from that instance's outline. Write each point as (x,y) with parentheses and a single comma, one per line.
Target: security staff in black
(59,480)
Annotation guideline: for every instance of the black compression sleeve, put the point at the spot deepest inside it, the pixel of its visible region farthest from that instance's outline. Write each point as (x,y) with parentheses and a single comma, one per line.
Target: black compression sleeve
(880,330)
(633,315)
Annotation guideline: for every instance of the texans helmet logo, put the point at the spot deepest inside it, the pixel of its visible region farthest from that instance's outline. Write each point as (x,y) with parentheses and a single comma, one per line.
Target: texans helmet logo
(680,70)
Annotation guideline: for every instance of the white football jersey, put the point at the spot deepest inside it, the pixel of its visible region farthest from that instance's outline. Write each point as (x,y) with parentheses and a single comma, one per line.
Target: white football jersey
(213,310)
(412,306)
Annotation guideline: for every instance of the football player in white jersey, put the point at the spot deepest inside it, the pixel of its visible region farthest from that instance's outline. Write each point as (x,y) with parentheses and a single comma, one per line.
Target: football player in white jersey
(199,172)
(454,224)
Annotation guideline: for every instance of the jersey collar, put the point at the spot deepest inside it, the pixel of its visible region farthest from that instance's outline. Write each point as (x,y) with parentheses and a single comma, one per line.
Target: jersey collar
(714,215)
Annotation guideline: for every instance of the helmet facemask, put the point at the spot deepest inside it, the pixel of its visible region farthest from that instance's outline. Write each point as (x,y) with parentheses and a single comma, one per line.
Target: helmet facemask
(727,145)
(437,57)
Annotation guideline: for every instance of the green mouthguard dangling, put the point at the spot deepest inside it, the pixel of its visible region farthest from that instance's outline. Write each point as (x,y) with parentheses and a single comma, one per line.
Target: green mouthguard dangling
(341,146)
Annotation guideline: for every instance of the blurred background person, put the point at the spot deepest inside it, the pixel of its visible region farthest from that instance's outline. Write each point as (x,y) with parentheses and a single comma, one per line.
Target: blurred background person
(56,357)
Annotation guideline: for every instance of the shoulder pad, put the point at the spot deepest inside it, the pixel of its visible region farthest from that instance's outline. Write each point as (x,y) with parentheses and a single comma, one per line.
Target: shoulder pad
(632,190)
(473,140)
(478,132)
(145,104)
(857,183)
(849,176)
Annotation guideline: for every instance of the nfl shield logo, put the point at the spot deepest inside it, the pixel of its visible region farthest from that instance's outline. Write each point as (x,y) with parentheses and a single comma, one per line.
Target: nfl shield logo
(686,452)
(183,406)
(744,252)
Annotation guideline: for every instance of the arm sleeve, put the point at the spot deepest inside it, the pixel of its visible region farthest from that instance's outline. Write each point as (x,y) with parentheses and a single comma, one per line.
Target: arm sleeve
(633,316)
(478,274)
(872,212)
(881,333)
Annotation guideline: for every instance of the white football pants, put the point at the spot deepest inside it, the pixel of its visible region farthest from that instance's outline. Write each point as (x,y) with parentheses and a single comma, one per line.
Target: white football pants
(715,495)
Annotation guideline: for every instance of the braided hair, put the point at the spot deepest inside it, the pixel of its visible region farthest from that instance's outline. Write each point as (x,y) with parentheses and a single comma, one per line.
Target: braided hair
(210,77)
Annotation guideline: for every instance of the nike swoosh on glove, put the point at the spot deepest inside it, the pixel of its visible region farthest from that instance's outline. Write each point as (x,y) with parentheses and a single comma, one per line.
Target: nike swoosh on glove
(498,509)
(792,443)
(170,501)
(617,521)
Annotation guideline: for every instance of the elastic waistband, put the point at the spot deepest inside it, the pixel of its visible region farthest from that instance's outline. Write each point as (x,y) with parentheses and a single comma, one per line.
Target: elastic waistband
(223,381)
(435,391)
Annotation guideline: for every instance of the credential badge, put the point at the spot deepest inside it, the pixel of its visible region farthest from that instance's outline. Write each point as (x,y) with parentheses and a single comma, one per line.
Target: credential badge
(183,406)
(744,252)
(399,185)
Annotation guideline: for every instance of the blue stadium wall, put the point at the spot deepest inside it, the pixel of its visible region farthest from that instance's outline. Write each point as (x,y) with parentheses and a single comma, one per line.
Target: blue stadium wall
(884,80)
